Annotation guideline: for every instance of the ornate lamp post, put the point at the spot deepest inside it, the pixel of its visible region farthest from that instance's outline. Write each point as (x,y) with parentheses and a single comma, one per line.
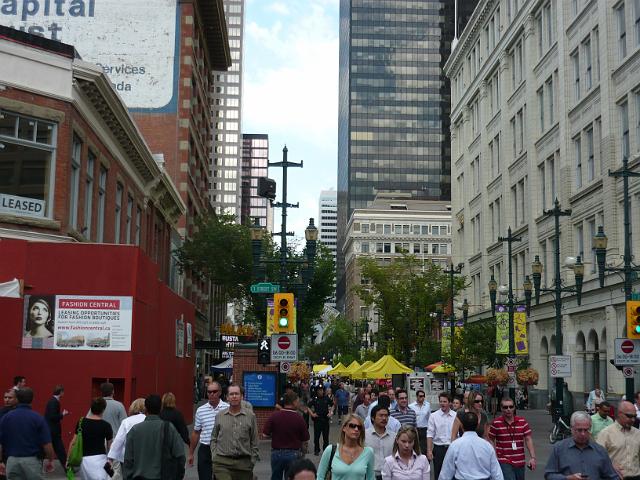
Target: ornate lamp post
(558,289)
(452,316)
(511,301)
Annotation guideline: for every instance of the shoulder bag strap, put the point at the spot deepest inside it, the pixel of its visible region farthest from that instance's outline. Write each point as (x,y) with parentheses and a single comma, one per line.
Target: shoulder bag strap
(334,447)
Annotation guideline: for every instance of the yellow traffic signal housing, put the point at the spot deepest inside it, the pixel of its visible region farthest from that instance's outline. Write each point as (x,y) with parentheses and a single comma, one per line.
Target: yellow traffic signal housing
(284,315)
(633,319)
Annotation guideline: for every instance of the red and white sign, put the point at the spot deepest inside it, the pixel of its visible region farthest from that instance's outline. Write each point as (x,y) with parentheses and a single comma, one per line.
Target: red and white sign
(627,372)
(560,366)
(284,348)
(285,367)
(626,351)
(284,343)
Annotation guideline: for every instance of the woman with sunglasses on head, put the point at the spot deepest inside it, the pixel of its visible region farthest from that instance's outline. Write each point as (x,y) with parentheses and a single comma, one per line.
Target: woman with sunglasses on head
(406,462)
(475,404)
(350,460)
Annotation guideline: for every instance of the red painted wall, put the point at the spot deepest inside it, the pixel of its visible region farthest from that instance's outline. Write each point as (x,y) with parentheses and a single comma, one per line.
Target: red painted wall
(95,269)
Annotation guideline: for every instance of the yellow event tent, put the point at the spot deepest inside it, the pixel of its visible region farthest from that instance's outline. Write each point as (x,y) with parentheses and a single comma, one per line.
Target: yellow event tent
(339,369)
(444,368)
(359,373)
(319,368)
(353,366)
(385,367)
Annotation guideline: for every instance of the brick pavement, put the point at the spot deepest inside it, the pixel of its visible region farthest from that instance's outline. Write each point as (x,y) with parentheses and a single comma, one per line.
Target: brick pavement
(539,420)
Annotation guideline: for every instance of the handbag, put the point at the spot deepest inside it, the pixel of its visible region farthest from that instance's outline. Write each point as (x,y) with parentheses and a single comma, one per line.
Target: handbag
(170,467)
(75,455)
(327,476)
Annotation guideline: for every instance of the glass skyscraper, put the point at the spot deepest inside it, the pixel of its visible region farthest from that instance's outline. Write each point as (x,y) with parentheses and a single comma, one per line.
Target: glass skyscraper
(394,102)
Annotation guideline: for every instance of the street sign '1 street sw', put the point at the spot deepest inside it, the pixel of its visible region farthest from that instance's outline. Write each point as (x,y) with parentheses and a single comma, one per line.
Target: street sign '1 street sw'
(265,287)
(627,351)
(284,348)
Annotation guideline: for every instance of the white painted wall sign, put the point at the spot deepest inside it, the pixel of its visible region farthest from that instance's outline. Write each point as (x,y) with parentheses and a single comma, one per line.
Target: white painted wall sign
(134,42)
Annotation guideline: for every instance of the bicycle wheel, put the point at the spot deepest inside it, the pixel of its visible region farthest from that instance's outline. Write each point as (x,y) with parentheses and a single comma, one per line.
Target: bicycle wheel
(553,436)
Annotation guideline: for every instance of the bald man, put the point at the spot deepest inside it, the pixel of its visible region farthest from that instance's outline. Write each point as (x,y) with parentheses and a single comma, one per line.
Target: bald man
(621,440)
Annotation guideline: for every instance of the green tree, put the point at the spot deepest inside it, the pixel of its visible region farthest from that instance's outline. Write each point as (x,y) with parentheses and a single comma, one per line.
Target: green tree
(405,293)
(219,250)
(338,340)
(475,346)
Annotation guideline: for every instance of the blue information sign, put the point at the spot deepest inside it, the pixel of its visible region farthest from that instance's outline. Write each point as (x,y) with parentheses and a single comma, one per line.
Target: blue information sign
(260,388)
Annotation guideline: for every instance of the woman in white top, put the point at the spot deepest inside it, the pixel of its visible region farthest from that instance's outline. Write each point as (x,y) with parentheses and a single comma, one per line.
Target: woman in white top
(116,452)
(406,462)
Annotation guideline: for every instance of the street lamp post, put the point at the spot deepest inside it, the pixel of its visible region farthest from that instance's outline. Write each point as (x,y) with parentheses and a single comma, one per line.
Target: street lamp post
(451,271)
(600,241)
(558,289)
(511,301)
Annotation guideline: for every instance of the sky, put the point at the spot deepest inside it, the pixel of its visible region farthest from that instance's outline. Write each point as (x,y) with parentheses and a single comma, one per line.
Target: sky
(290,92)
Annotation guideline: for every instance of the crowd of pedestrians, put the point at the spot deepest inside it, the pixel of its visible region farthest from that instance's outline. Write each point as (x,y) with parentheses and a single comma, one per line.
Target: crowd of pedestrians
(381,436)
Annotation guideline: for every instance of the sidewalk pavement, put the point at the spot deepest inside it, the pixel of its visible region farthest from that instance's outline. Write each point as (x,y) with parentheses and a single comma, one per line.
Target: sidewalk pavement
(539,420)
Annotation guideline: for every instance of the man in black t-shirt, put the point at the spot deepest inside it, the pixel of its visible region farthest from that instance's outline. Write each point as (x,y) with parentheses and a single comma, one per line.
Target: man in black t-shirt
(321,410)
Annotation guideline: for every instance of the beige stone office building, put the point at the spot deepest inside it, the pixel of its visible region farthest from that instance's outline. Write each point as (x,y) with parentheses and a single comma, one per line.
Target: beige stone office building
(394,223)
(545,101)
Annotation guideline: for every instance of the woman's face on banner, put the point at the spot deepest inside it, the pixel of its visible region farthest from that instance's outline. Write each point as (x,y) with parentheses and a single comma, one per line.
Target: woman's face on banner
(39,313)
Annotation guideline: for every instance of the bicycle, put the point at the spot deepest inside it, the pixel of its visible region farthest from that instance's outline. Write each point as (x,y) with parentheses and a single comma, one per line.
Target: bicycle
(560,431)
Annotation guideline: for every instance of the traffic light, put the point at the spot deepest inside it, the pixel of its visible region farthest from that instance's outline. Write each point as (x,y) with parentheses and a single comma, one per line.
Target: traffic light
(633,319)
(266,188)
(284,321)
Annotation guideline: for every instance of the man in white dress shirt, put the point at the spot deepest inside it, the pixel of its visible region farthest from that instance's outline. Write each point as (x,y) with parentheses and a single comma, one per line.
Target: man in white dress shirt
(470,457)
(423,410)
(439,429)
(393,425)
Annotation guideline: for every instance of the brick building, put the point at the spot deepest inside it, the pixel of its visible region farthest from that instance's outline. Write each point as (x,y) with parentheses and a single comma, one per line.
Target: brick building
(183,135)
(73,165)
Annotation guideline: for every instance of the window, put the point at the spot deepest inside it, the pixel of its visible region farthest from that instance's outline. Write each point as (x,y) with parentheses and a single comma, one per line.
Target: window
(586,55)
(637,98)
(580,240)
(118,212)
(543,185)
(624,124)
(102,200)
(521,199)
(590,159)
(74,181)
(27,162)
(575,63)
(595,40)
(88,195)
(549,85)
(475,168)
(514,202)
(636,14)
(365,247)
(138,224)
(129,219)
(517,64)
(577,149)
(622,31)
(541,107)
(545,30)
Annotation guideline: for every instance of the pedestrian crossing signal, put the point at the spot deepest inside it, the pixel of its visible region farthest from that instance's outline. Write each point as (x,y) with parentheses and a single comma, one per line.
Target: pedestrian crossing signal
(633,319)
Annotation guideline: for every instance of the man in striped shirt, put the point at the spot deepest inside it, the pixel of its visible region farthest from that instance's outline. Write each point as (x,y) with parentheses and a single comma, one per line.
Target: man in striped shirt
(509,434)
(404,414)
(202,429)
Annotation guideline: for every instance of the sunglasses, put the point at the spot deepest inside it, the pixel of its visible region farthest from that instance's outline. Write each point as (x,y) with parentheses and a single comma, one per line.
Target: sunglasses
(355,426)
(213,391)
(508,407)
(478,401)
(630,415)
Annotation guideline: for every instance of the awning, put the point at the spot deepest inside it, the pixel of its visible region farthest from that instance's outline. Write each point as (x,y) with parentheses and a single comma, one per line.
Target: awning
(338,369)
(224,366)
(320,367)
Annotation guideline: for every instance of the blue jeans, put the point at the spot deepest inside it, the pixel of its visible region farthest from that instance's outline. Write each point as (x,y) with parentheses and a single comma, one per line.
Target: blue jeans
(280,461)
(509,472)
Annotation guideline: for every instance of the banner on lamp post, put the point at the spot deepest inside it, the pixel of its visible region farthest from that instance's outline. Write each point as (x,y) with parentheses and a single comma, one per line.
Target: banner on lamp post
(520,331)
(502,330)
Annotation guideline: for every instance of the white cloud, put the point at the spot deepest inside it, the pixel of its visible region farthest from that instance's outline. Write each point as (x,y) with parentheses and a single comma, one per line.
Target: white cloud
(279,7)
(295,88)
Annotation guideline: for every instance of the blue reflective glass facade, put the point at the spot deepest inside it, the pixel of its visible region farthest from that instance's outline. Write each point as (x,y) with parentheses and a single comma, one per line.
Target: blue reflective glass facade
(394,101)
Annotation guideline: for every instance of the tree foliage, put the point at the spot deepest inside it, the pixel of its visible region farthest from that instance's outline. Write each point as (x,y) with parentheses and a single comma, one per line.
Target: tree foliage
(337,345)
(405,293)
(475,346)
(219,250)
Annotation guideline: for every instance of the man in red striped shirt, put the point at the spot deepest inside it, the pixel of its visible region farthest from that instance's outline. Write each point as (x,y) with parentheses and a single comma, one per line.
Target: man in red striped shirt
(509,434)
